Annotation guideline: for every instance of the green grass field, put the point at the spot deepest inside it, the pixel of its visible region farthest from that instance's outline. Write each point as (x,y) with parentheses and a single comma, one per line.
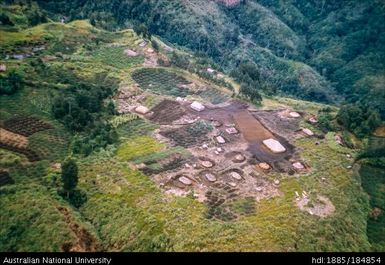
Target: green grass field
(114,56)
(373,182)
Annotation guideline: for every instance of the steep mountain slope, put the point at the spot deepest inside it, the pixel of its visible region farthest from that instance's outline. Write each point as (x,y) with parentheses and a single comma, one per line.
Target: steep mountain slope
(311,49)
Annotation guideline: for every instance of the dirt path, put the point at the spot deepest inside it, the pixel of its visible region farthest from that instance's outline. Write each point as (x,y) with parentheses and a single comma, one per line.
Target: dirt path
(86,242)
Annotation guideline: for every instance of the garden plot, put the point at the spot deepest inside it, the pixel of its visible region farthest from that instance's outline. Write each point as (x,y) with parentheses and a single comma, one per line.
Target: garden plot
(136,127)
(17,143)
(171,162)
(189,135)
(117,57)
(31,155)
(50,144)
(275,121)
(33,138)
(13,139)
(162,82)
(212,95)
(25,125)
(167,111)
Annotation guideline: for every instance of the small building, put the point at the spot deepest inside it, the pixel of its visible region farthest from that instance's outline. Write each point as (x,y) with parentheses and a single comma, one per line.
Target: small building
(220,76)
(274,145)
(307,131)
(210,177)
(207,164)
(298,165)
(294,114)
(18,56)
(185,180)
(313,120)
(231,130)
(235,175)
(130,53)
(210,71)
(264,166)
(221,140)
(239,158)
(142,110)
(3,68)
(197,106)
(338,139)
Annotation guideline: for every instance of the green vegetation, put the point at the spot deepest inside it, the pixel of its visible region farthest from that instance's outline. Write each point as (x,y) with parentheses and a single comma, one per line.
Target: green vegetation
(138,147)
(21,16)
(161,81)
(359,119)
(142,30)
(65,95)
(23,230)
(114,56)
(69,176)
(326,120)
(374,184)
(11,83)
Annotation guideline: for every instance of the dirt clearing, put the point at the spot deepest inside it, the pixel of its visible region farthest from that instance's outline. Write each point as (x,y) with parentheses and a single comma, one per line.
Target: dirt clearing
(252,129)
(167,111)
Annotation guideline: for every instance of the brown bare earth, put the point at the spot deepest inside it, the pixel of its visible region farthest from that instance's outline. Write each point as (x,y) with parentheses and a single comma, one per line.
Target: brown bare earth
(276,121)
(86,242)
(251,128)
(13,139)
(167,111)
(17,143)
(380,131)
(323,207)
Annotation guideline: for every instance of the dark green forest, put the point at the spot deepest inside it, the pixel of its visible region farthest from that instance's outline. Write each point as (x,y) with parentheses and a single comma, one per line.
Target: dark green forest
(327,51)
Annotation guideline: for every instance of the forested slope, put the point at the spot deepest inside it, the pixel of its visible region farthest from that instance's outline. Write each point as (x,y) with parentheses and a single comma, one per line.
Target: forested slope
(318,50)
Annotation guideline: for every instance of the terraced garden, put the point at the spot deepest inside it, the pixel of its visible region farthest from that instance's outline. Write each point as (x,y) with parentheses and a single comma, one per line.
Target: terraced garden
(190,135)
(26,126)
(161,81)
(115,56)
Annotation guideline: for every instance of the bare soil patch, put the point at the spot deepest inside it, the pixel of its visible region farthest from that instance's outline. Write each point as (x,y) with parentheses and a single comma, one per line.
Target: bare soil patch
(275,121)
(86,242)
(31,155)
(254,133)
(251,128)
(13,139)
(167,111)
(321,207)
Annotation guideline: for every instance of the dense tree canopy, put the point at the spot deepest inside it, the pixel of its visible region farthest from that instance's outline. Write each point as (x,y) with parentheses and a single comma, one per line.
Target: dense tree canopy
(316,50)
(69,175)
(11,82)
